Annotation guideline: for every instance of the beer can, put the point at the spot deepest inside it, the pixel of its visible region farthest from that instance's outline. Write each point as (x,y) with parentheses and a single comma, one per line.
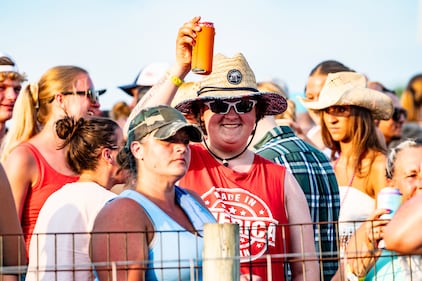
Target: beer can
(203,51)
(389,198)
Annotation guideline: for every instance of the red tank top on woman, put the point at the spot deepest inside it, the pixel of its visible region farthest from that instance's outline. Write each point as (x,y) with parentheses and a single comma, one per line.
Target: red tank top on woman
(49,180)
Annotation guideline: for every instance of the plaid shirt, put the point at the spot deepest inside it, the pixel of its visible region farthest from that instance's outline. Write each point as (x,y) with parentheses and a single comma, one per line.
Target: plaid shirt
(315,175)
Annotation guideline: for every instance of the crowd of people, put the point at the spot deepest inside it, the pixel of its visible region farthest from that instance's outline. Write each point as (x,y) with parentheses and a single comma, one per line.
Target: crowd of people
(125,194)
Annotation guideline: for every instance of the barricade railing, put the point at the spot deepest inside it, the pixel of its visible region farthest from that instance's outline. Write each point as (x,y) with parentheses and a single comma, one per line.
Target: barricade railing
(221,255)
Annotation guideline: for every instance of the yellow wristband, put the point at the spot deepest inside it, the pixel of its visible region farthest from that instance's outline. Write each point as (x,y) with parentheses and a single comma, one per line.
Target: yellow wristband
(176,80)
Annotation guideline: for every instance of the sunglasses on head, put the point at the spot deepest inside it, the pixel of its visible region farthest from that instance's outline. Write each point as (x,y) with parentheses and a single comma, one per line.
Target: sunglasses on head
(398,113)
(223,106)
(93,95)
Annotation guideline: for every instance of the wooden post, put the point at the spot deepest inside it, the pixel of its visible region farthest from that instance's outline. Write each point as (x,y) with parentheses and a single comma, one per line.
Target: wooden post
(221,252)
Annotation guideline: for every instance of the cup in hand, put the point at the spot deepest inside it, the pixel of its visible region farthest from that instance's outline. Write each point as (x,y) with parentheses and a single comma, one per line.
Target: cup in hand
(389,198)
(203,50)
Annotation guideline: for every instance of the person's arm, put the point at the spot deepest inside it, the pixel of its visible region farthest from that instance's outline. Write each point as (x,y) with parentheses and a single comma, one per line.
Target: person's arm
(163,92)
(362,250)
(13,244)
(301,234)
(378,179)
(21,170)
(402,234)
(120,235)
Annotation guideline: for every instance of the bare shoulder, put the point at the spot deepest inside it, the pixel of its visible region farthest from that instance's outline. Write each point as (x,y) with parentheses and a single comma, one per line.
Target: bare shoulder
(377,176)
(21,167)
(374,161)
(380,158)
(122,214)
(378,166)
(290,184)
(21,155)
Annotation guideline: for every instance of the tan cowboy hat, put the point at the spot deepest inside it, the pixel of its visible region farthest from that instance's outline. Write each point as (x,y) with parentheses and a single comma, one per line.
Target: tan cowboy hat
(232,78)
(349,88)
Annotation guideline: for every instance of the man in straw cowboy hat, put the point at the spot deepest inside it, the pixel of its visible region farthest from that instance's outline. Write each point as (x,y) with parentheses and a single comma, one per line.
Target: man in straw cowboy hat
(237,185)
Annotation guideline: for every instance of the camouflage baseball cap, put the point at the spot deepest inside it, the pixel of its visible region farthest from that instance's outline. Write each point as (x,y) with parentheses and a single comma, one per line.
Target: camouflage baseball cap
(163,122)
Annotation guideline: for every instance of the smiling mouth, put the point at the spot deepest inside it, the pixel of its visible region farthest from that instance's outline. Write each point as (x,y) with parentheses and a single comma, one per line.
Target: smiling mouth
(231,125)
(90,113)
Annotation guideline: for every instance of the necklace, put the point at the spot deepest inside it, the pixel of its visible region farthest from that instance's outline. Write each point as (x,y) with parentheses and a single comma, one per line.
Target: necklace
(225,160)
(349,184)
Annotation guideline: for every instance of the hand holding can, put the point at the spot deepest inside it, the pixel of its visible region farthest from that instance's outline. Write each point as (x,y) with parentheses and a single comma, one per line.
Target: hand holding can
(203,51)
(389,198)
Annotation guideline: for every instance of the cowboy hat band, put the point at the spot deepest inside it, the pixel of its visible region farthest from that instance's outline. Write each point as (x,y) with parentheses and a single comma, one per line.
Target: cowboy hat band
(349,88)
(232,78)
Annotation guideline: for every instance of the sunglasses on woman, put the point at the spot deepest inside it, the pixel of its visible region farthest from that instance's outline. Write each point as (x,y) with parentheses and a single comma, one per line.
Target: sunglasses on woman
(223,106)
(92,95)
(339,110)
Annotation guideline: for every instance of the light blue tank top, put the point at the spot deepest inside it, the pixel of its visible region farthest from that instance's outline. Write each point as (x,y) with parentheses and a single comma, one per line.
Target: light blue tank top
(174,253)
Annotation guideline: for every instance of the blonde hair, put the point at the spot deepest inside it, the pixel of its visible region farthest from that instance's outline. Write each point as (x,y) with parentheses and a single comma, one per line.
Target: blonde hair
(272,87)
(34,104)
(120,110)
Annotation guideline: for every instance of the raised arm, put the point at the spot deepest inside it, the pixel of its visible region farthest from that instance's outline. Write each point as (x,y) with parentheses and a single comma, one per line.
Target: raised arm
(164,91)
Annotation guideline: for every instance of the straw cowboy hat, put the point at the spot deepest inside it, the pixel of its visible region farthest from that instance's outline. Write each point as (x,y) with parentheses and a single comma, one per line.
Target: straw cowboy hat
(349,88)
(232,78)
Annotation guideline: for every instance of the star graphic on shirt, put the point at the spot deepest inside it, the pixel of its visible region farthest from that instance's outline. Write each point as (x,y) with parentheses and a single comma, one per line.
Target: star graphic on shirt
(232,210)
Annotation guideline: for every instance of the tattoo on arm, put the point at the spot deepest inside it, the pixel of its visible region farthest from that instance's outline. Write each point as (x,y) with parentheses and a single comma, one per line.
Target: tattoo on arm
(147,97)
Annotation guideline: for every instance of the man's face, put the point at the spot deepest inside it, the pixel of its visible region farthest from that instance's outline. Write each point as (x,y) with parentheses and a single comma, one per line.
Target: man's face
(9,91)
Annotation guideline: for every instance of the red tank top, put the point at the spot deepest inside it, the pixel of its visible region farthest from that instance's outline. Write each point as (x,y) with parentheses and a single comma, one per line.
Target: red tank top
(49,180)
(254,200)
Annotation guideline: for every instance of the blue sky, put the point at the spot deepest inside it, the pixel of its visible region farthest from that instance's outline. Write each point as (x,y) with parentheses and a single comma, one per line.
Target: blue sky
(114,39)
